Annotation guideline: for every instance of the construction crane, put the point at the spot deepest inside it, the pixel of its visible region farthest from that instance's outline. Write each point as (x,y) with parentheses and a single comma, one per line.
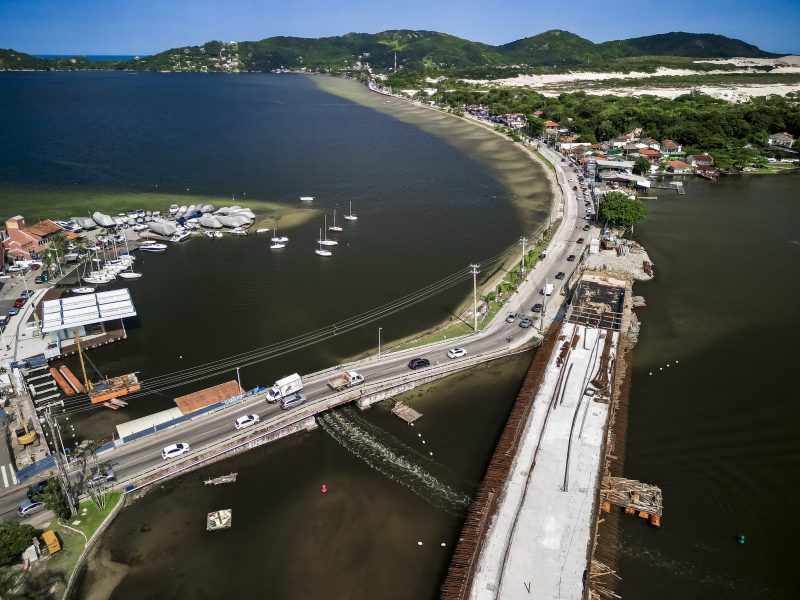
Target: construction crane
(108,389)
(28,437)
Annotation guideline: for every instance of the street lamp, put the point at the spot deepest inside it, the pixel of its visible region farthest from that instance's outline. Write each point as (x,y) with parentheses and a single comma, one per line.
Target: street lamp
(379,340)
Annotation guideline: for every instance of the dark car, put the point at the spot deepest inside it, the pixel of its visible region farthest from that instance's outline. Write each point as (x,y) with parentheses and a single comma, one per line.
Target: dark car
(20,302)
(587,227)
(418,363)
(526,322)
(38,279)
(537,307)
(35,266)
(560,275)
(571,257)
(36,489)
(580,241)
(45,276)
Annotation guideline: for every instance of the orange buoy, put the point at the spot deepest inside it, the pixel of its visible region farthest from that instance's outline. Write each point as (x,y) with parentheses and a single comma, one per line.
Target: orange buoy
(606,506)
(324,488)
(630,510)
(655,520)
(644,515)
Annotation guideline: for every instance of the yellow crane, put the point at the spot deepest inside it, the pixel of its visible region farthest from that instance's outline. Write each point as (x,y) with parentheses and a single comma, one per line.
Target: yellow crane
(86,382)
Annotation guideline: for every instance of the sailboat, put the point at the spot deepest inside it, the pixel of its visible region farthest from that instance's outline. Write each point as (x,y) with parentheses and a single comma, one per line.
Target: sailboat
(319,250)
(277,242)
(278,239)
(325,241)
(351,216)
(83,289)
(333,227)
(129,273)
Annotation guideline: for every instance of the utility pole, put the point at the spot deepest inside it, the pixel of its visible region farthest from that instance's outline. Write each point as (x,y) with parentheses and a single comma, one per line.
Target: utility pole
(239,380)
(523,240)
(62,476)
(474,270)
(379,341)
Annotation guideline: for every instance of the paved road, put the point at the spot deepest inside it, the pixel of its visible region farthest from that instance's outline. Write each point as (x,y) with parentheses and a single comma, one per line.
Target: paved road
(138,456)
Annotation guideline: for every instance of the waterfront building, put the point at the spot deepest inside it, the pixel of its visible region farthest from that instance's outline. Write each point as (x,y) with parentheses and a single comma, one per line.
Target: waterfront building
(21,242)
(784,140)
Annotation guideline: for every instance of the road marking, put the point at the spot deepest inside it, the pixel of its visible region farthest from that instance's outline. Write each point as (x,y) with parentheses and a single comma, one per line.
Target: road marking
(5,479)
(13,474)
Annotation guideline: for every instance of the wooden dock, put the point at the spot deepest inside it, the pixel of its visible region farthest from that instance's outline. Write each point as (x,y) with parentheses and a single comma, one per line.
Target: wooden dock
(219,519)
(230,478)
(634,496)
(405,412)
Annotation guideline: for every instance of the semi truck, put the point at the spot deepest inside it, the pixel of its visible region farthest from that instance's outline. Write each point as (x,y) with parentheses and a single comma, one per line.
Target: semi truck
(291,384)
(345,380)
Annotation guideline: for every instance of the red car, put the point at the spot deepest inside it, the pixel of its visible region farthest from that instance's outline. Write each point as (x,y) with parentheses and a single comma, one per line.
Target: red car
(20,302)
(35,266)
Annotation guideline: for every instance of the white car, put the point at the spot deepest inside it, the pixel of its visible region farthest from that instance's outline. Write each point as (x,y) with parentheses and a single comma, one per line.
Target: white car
(246,421)
(456,353)
(174,450)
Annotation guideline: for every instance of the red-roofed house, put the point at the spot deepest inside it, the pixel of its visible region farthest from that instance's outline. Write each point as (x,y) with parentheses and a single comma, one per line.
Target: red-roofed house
(650,154)
(26,243)
(678,166)
(550,127)
(668,146)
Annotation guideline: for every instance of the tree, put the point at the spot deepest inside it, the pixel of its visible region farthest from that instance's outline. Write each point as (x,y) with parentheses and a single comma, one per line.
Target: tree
(54,499)
(14,538)
(617,208)
(641,166)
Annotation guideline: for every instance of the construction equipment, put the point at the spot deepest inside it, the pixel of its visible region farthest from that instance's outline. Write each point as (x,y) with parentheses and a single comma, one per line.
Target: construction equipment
(28,437)
(108,389)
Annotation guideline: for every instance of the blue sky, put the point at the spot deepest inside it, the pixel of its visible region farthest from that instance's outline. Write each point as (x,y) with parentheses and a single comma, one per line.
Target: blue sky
(148,26)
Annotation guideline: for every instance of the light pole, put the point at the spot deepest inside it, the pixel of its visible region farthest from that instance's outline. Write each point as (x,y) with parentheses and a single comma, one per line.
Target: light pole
(523,240)
(239,380)
(379,340)
(474,270)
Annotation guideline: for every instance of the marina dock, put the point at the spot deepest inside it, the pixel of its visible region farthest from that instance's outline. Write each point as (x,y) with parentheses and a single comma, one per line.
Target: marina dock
(219,519)
(405,412)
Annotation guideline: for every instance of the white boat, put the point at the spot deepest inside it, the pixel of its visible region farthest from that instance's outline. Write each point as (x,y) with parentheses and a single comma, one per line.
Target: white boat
(210,234)
(333,227)
(98,279)
(325,241)
(130,275)
(319,250)
(153,247)
(306,198)
(238,231)
(266,230)
(127,260)
(140,227)
(179,236)
(276,239)
(83,290)
(276,245)
(351,216)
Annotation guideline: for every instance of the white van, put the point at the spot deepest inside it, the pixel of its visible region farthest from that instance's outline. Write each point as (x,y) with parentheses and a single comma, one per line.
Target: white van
(547,290)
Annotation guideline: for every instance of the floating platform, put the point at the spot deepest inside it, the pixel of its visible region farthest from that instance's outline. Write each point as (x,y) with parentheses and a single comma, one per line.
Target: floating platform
(62,383)
(405,412)
(219,519)
(114,387)
(73,381)
(230,478)
(635,497)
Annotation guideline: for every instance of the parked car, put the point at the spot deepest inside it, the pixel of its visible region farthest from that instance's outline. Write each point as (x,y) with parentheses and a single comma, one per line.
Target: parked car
(38,279)
(36,489)
(526,322)
(45,276)
(246,421)
(511,317)
(13,311)
(174,450)
(293,400)
(35,266)
(30,508)
(456,353)
(418,363)
(20,302)
(560,275)
(537,307)
(580,241)
(571,257)
(102,475)
(587,227)
(26,294)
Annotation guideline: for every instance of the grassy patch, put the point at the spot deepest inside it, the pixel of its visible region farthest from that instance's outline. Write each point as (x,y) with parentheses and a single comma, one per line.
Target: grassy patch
(73,543)
(550,165)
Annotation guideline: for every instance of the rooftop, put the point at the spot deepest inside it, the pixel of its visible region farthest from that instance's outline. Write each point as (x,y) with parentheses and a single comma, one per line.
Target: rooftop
(76,311)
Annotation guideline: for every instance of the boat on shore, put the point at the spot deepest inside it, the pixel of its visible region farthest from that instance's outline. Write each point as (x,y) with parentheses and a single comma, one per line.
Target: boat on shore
(179,236)
(238,231)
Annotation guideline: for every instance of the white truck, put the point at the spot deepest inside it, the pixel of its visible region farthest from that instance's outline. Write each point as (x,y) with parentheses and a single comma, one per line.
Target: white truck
(547,290)
(345,380)
(291,384)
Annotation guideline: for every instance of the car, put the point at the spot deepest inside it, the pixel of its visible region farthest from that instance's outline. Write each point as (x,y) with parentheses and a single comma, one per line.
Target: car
(35,266)
(560,275)
(587,227)
(293,400)
(38,279)
(571,257)
(537,307)
(246,421)
(418,363)
(511,317)
(580,241)
(36,489)
(13,311)
(20,302)
(526,322)
(30,508)
(456,353)
(26,294)
(174,450)
(14,269)
(45,276)
(102,475)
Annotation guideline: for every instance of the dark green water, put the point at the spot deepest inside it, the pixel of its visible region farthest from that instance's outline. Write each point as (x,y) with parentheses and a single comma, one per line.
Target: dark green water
(718,431)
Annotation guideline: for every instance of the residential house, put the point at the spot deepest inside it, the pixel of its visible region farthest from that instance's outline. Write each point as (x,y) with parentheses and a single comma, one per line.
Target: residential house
(699,160)
(620,142)
(515,120)
(652,144)
(783,140)
(678,167)
(538,114)
(670,146)
(652,155)
(550,127)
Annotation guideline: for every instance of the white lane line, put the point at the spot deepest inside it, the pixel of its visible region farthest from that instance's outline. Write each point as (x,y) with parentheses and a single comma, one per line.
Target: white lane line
(5,479)
(13,474)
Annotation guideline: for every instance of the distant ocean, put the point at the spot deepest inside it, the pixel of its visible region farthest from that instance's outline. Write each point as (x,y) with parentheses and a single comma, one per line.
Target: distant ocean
(92,57)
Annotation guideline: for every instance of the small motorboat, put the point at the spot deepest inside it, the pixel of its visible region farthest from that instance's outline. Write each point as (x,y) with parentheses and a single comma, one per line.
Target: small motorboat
(151,246)
(306,198)
(173,209)
(179,236)
(84,289)
(264,230)
(130,275)
(238,231)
